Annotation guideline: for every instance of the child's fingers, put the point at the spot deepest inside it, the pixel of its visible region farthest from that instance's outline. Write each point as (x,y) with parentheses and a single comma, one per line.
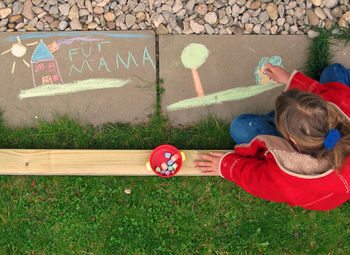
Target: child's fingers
(203,163)
(207,157)
(217,154)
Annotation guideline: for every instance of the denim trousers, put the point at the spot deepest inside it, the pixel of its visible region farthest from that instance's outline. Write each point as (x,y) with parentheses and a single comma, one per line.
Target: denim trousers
(247,126)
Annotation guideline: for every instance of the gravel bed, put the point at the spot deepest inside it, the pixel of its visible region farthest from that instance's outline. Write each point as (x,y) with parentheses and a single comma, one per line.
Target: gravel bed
(175,16)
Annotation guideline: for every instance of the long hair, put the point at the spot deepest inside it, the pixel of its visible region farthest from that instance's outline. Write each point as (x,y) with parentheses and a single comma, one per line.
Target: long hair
(307,119)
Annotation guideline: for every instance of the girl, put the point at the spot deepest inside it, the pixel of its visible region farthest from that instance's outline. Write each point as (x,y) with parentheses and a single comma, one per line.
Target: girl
(300,156)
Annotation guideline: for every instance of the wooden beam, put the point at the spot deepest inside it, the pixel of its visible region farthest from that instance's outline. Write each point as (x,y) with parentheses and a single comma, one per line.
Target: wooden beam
(85,162)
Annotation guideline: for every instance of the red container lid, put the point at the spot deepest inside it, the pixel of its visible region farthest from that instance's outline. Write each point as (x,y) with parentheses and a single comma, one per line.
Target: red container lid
(158,157)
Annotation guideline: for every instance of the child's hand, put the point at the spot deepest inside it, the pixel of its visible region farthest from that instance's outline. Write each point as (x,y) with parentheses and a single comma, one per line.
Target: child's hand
(277,73)
(211,166)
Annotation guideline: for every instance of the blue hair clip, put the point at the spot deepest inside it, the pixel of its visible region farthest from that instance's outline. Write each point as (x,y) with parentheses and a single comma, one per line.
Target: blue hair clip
(332,137)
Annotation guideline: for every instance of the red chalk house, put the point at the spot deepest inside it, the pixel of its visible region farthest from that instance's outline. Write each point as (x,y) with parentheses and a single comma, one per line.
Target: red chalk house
(44,67)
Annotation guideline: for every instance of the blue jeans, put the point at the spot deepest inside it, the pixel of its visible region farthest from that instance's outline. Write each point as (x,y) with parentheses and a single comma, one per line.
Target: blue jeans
(247,126)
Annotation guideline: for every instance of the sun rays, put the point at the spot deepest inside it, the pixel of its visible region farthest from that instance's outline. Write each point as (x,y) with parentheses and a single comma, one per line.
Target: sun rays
(18,50)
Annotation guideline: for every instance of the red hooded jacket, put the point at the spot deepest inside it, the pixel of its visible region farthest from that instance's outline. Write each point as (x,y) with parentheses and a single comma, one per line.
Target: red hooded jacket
(270,168)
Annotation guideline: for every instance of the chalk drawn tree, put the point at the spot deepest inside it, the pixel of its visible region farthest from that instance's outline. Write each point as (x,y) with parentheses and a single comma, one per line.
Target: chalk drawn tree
(193,56)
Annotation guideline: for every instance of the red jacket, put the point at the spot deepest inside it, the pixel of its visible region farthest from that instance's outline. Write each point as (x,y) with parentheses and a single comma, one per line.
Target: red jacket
(270,168)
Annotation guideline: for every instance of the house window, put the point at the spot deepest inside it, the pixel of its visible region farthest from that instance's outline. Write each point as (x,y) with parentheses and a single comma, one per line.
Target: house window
(51,67)
(39,67)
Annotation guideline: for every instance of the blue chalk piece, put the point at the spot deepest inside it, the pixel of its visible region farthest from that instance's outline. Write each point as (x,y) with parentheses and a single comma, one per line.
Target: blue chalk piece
(170,162)
(170,168)
(167,155)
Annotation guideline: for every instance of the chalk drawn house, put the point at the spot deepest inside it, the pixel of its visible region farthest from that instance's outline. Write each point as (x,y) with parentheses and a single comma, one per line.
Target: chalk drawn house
(44,67)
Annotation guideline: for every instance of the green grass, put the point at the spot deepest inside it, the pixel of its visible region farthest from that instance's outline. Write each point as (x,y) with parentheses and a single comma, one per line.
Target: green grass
(181,215)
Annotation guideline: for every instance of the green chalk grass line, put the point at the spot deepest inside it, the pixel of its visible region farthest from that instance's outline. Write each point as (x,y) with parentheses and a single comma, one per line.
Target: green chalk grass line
(222,96)
(73,87)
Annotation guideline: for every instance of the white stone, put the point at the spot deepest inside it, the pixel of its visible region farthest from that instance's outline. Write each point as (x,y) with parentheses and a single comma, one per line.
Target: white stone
(75,25)
(130,20)
(330,3)
(177,6)
(209,29)
(63,25)
(235,10)
(197,28)
(245,17)
(319,13)
(4,13)
(316,2)
(211,17)
(64,9)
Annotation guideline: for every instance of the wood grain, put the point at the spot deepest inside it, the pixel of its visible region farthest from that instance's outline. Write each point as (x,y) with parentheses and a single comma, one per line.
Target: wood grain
(85,162)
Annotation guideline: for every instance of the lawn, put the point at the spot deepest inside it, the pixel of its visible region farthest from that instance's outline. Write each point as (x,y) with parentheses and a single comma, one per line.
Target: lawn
(180,215)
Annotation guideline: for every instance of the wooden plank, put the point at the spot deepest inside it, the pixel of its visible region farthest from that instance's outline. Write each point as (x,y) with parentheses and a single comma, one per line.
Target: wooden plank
(85,162)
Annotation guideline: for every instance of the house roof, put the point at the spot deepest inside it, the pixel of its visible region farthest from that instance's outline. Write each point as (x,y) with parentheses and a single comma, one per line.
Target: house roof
(41,52)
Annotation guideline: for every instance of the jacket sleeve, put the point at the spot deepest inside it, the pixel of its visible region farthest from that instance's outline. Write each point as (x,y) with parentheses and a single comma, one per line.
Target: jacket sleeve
(302,82)
(255,174)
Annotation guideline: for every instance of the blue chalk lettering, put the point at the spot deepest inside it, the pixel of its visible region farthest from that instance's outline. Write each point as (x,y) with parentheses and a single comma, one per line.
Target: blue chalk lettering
(81,69)
(126,65)
(99,45)
(82,50)
(103,63)
(72,52)
(146,56)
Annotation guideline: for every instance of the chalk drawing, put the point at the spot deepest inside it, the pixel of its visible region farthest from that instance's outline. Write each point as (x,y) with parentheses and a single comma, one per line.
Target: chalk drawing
(44,66)
(126,65)
(74,34)
(260,77)
(238,93)
(53,47)
(72,52)
(147,57)
(13,67)
(104,64)
(73,87)
(47,80)
(99,44)
(85,63)
(70,41)
(193,56)
(41,52)
(18,50)
(222,96)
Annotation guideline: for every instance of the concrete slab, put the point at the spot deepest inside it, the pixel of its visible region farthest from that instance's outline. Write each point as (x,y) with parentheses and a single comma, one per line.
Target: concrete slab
(96,77)
(341,52)
(226,73)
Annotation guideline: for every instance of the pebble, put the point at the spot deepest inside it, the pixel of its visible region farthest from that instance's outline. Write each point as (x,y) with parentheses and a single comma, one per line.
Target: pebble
(75,25)
(211,17)
(62,25)
(175,16)
(319,13)
(109,16)
(330,3)
(4,13)
(201,9)
(271,9)
(64,9)
(255,5)
(313,19)
(316,2)
(17,8)
(177,6)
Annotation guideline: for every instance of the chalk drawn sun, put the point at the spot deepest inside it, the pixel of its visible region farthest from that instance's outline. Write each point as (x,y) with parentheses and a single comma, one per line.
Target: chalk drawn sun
(18,50)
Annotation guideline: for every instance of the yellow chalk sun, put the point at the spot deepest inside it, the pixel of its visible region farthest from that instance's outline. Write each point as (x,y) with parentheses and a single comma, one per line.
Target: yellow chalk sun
(18,50)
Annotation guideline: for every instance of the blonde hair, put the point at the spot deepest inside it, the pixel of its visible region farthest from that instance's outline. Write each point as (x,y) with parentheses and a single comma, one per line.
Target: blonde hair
(307,119)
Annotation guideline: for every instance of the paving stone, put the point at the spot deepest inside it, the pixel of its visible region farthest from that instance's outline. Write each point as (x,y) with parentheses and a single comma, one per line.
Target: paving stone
(127,62)
(235,55)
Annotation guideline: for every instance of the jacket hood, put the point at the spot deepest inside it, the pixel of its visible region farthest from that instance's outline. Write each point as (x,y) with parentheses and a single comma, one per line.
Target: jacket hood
(291,161)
